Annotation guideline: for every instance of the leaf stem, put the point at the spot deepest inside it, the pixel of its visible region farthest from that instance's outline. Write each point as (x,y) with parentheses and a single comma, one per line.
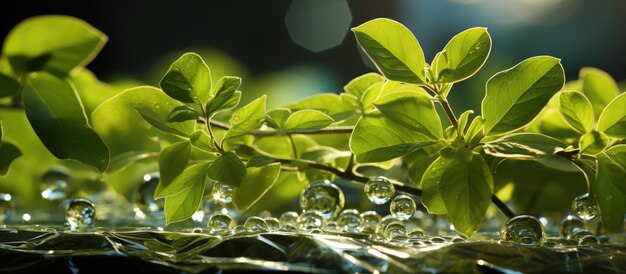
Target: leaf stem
(208,127)
(293,146)
(446,107)
(267,133)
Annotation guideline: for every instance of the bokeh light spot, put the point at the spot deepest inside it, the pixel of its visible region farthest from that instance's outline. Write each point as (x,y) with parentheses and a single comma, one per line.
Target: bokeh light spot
(318,25)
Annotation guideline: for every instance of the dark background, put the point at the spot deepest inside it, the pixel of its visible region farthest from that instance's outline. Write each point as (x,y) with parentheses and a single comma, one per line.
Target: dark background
(141,33)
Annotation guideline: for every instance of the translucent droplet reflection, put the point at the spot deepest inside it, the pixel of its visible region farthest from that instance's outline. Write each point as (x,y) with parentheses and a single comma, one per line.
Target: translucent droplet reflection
(350,220)
(220,224)
(80,213)
(395,230)
(523,230)
(6,207)
(379,190)
(311,219)
(370,221)
(145,204)
(272,223)
(289,217)
(570,225)
(256,224)
(55,184)
(585,207)
(222,192)
(403,207)
(324,197)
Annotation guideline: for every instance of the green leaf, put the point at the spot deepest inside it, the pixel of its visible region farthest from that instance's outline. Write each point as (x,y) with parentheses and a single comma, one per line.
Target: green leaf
(593,142)
(612,121)
(350,100)
(52,43)
(524,146)
(609,188)
(1,132)
(126,159)
(307,120)
(8,153)
(188,80)
(202,141)
(599,87)
(394,50)
(431,195)
(257,182)
(182,113)
(227,169)
(359,85)
(466,188)
(247,118)
(576,110)
(162,125)
(463,119)
(195,174)
(377,138)
(182,205)
(57,116)
(463,56)
(260,160)
(413,110)
(172,162)
(515,96)
(328,103)
(222,94)
(475,131)
(276,118)
(8,86)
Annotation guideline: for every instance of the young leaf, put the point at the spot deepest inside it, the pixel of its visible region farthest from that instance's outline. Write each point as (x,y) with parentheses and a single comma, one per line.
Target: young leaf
(612,121)
(307,120)
(475,132)
(182,113)
(276,118)
(328,103)
(350,100)
(463,56)
(8,153)
(431,195)
(150,117)
(359,85)
(246,118)
(227,169)
(172,162)
(609,189)
(190,176)
(515,96)
(8,86)
(202,141)
(524,146)
(260,160)
(413,110)
(188,80)
(466,188)
(58,118)
(394,50)
(257,182)
(463,119)
(593,142)
(223,92)
(126,159)
(52,43)
(182,205)
(377,138)
(599,87)
(576,110)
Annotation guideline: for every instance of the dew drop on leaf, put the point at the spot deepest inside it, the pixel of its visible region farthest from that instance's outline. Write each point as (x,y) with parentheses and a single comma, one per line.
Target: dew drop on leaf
(395,230)
(222,192)
(220,224)
(272,223)
(324,197)
(289,217)
(379,190)
(55,184)
(311,219)
(570,225)
(524,230)
(403,207)
(145,204)
(370,221)
(350,221)
(380,229)
(255,224)
(80,213)
(585,207)
(588,240)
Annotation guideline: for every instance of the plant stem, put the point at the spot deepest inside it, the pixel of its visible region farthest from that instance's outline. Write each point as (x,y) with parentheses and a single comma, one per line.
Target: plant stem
(266,133)
(208,127)
(446,107)
(293,146)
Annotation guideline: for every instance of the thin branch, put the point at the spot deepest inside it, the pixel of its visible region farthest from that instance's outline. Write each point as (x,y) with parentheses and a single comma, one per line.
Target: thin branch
(264,133)
(293,146)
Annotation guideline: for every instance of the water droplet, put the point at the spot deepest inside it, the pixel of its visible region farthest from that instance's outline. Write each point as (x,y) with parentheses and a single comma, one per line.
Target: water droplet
(403,207)
(80,213)
(220,224)
(272,223)
(437,240)
(311,219)
(416,233)
(588,240)
(332,226)
(55,184)
(580,232)
(395,229)
(288,227)
(523,230)
(457,240)
(379,190)
(240,229)
(222,192)
(350,220)
(324,197)
(255,224)
(380,229)
(6,207)
(585,207)
(289,217)
(569,225)
(145,204)
(370,221)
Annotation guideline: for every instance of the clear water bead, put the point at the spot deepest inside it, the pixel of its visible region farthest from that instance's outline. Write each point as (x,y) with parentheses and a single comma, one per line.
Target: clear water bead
(395,230)
(6,207)
(289,217)
(272,223)
(403,207)
(416,233)
(80,213)
(350,220)
(585,207)
(145,204)
(220,224)
(311,219)
(222,192)
(523,230)
(256,224)
(379,190)
(55,184)
(370,221)
(384,222)
(588,240)
(324,197)
(570,225)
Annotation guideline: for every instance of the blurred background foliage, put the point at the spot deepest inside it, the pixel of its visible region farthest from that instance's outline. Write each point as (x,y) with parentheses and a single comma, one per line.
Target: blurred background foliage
(293,49)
